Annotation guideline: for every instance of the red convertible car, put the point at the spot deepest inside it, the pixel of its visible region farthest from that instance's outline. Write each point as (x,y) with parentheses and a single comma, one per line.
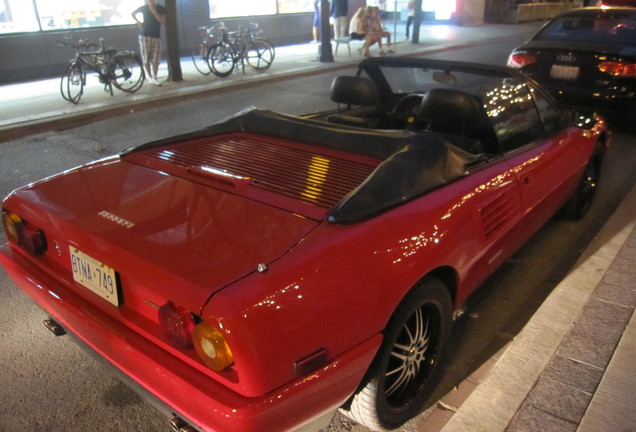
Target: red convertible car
(264,272)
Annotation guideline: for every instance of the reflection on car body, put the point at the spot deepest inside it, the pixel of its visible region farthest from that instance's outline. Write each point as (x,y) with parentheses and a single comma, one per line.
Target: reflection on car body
(585,57)
(270,269)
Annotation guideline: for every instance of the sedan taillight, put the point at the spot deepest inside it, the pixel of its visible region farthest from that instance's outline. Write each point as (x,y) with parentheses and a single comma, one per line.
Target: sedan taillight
(618,69)
(521,59)
(28,236)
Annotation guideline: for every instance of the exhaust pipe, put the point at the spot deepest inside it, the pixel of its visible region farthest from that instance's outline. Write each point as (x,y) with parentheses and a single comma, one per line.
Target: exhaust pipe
(177,424)
(54,327)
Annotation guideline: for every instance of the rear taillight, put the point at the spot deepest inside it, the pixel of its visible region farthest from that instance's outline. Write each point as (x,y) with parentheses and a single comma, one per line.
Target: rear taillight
(521,59)
(28,236)
(618,69)
(184,329)
(177,324)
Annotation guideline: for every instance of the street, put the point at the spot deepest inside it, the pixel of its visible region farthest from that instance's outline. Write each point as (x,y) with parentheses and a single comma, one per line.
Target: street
(48,383)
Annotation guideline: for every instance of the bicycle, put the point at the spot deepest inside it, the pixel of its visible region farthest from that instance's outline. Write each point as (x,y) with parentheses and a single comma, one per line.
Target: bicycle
(240,47)
(201,48)
(123,69)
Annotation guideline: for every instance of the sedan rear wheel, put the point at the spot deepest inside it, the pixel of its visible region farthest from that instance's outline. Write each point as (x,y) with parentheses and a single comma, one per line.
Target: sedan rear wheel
(408,363)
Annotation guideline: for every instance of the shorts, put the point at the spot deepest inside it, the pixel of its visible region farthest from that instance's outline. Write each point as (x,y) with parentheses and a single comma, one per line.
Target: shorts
(357,36)
(150,49)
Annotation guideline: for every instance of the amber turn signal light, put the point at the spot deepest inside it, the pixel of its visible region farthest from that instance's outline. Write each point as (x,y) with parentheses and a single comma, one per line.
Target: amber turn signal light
(24,234)
(212,347)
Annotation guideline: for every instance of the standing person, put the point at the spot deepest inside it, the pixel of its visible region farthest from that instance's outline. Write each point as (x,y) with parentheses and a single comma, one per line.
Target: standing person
(316,27)
(339,11)
(409,19)
(153,15)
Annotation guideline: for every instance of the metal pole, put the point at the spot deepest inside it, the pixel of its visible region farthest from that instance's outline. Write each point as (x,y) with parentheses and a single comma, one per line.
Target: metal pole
(395,12)
(326,55)
(417,19)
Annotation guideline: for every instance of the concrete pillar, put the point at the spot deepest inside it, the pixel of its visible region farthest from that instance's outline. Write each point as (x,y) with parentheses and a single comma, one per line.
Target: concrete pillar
(472,12)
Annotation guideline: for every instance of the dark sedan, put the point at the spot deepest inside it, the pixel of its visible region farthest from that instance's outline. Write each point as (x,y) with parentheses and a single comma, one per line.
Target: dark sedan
(586,57)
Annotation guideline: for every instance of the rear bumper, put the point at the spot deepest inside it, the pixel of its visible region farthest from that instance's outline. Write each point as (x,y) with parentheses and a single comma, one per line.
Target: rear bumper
(181,390)
(603,99)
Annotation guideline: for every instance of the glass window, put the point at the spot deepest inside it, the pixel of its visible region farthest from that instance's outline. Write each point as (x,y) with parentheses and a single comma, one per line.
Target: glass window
(233,8)
(550,113)
(295,6)
(513,114)
(68,14)
(17,16)
(607,27)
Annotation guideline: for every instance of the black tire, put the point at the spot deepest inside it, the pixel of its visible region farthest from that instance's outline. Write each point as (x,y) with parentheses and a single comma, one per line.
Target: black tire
(72,82)
(260,55)
(200,58)
(221,59)
(406,367)
(128,72)
(579,204)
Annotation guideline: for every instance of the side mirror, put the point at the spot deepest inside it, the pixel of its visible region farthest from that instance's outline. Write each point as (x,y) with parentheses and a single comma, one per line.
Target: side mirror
(583,119)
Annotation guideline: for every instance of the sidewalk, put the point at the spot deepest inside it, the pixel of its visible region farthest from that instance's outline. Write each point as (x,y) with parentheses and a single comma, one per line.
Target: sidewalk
(31,107)
(570,368)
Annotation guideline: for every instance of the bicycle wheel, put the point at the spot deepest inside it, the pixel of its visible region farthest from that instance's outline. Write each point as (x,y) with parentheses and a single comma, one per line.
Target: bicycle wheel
(221,59)
(200,58)
(260,54)
(72,82)
(128,73)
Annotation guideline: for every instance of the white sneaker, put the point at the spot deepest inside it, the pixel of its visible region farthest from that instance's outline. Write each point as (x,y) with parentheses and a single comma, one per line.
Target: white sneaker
(155,81)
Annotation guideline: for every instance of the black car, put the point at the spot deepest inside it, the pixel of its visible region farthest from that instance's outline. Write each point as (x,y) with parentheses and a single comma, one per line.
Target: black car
(585,57)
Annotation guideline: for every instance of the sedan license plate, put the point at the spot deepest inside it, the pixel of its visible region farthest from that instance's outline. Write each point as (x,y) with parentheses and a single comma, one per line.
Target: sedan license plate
(564,72)
(95,275)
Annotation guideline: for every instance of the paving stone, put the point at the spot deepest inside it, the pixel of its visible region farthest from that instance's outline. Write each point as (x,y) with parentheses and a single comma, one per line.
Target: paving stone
(573,373)
(596,333)
(559,399)
(612,290)
(623,267)
(530,419)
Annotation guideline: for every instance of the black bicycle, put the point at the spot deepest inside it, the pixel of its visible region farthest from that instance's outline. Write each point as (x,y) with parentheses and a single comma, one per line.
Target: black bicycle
(200,49)
(240,47)
(122,69)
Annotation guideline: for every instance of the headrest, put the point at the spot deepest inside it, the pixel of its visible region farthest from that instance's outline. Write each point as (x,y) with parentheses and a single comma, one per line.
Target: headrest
(353,90)
(450,107)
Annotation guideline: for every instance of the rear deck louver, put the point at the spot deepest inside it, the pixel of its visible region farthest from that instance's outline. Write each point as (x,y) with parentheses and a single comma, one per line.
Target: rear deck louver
(303,173)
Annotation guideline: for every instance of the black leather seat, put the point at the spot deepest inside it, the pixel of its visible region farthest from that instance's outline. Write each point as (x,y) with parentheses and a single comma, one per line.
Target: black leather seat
(454,112)
(362,100)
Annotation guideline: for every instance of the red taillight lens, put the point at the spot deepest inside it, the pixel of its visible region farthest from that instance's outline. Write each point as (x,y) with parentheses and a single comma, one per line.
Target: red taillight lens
(177,324)
(521,59)
(618,69)
(27,236)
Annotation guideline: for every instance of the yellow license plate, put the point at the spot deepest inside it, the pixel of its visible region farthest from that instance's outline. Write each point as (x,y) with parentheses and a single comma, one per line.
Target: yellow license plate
(94,275)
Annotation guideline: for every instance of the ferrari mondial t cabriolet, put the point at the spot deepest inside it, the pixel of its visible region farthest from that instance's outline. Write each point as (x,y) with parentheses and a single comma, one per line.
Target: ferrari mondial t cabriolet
(266,271)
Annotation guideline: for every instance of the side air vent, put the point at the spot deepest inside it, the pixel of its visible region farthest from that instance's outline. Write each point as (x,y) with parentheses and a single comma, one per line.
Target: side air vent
(496,215)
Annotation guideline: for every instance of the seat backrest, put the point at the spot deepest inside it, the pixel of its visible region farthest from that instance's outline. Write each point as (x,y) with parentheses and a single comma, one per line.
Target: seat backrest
(354,90)
(455,112)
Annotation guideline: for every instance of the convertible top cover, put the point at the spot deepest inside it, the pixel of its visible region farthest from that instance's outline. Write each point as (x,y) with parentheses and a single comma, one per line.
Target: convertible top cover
(413,163)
